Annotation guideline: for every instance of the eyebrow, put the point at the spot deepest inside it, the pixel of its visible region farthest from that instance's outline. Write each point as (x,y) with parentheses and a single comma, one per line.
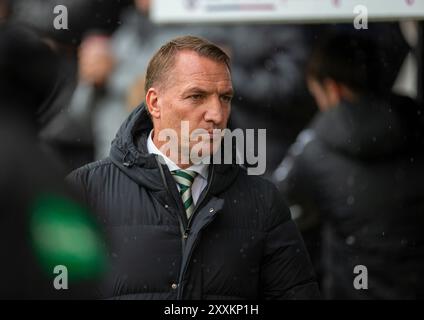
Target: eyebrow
(194,89)
(203,91)
(229,92)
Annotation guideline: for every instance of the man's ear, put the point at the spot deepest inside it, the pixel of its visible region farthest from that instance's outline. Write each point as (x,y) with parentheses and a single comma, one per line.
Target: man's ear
(333,91)
(152,103)
(337,91)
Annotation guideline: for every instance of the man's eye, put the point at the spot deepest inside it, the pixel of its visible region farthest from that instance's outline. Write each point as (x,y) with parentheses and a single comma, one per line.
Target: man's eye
(227,98)
(196,97)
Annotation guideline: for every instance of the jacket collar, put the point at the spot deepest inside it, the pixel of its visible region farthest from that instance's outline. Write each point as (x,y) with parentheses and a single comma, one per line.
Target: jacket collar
(130,153)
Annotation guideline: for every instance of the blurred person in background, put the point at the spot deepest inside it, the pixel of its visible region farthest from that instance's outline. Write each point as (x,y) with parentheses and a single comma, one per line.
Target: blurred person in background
(69,132)
(359,166)
(42,224)
(393,50)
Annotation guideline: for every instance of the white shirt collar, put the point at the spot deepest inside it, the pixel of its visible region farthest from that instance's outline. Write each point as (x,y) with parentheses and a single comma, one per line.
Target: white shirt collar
(201,169)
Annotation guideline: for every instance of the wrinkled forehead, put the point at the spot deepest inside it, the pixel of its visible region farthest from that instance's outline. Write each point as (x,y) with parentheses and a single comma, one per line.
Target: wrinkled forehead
(191,68)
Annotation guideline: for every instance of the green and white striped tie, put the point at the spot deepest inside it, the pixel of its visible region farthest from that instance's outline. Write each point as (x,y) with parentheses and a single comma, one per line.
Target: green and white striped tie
(184,179)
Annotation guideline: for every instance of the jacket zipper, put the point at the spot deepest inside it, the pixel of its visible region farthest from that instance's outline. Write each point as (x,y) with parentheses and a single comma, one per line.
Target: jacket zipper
(185,232)
(180,288)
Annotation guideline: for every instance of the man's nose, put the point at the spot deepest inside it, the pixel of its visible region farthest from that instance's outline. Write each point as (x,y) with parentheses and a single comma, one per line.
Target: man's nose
(215,111)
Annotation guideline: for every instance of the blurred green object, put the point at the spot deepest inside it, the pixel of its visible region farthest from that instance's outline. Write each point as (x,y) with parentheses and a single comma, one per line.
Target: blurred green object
(64,233)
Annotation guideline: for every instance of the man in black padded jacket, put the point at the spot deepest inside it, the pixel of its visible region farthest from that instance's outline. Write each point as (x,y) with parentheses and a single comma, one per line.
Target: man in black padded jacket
(190,231)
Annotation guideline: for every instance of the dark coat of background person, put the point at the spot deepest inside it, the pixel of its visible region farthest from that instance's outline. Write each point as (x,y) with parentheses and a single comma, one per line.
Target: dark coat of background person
(361,167)
(29,80)
(355,172)
(241,243)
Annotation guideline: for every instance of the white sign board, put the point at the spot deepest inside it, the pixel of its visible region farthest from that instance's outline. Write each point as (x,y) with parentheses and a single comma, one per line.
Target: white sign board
(191,11)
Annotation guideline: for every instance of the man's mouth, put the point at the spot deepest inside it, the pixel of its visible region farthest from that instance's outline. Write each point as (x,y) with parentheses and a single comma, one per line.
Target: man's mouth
(212,134)
(216,133)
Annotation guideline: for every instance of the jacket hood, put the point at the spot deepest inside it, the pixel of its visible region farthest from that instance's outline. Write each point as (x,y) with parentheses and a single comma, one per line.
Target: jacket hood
(372,128)
(129,152)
